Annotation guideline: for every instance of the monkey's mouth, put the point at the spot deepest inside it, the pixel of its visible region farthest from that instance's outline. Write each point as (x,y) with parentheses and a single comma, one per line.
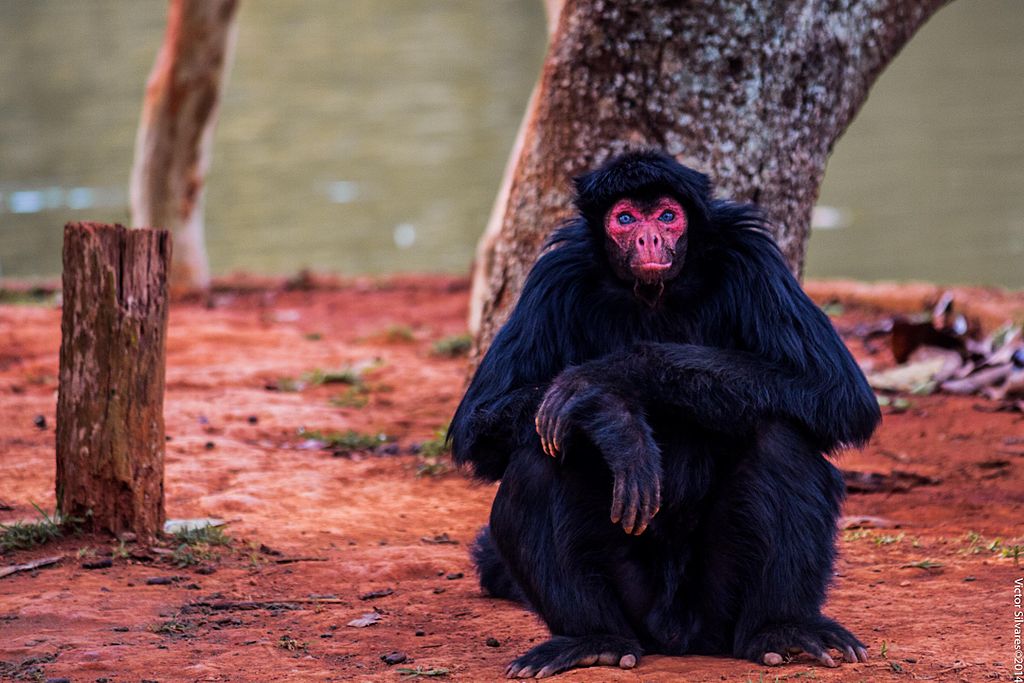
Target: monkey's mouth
(650,271)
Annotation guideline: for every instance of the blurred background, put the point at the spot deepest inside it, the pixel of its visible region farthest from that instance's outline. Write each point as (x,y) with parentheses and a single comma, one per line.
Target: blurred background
(369,136)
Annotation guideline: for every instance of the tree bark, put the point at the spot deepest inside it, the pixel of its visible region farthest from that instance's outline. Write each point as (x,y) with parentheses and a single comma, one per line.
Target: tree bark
(753,93)
(110,423)
(175,137)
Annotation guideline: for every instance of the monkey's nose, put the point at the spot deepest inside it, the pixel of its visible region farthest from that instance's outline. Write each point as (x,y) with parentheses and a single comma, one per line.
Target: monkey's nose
(654,239)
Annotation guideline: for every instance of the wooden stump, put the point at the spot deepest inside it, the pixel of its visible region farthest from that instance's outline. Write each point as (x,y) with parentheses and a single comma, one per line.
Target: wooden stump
(110,423)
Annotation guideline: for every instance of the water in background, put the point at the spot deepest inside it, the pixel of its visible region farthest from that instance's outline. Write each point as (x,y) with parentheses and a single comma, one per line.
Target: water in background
(370,136)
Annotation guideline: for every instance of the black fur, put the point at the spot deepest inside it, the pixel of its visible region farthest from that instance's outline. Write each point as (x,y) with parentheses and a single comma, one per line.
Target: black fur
(722,398)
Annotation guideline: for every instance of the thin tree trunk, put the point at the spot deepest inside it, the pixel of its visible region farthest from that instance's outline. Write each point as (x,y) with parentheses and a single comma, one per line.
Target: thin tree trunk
(175,137)
(110,423)
(753,93)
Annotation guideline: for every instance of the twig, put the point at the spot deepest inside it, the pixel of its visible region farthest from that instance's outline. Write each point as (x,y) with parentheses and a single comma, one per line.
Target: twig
(289,560)
(245,605)
(29,566)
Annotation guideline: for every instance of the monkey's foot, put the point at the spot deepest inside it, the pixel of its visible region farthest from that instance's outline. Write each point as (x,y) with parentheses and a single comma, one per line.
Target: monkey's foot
(562,653)
(775,644)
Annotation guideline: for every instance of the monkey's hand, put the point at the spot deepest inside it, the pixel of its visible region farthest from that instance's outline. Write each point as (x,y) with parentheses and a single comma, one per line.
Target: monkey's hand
(636,492)
(568,393)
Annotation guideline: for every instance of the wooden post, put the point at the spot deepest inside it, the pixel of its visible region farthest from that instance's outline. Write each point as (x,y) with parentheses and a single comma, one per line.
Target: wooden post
(110,422)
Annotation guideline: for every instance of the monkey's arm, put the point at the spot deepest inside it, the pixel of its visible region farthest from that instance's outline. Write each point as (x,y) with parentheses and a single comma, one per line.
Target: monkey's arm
(496,415)
(792,365)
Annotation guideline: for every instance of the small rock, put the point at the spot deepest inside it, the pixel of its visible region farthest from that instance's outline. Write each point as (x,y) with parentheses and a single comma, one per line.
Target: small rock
(210,445)
(205,569)
(58,680)
(420,633)
(492,642)
(438,591)
(120,629)
(373,595)
(127,537)
(253,419)
(161,580)
(105,563)
(393,658)
(368,619)
(40,422)
(453,576)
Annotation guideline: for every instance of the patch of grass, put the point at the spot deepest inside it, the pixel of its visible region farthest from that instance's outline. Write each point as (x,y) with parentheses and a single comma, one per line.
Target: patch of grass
(356,396)
(399,334)
(897,404)
(120,551)
(1014,551)
(345,375)
(289,384)
(453,346)
(24,535)
(856,535)
(348,441)
(196,546)
(434,459)
(436,446)
(979,545)
(888,539)
(203,535)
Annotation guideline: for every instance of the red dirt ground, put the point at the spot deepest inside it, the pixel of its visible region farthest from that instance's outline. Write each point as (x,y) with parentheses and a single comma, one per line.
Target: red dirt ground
(365,516)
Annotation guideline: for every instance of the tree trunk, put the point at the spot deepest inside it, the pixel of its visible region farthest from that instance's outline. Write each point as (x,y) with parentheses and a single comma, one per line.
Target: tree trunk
(175,137)
(753,93)
(110,422)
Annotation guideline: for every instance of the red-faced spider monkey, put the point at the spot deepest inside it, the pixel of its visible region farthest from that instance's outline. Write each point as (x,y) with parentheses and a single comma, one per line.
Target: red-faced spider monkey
(658,408)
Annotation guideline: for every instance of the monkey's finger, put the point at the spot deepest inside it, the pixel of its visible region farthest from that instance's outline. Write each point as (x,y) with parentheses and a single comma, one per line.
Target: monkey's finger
(627,661)
(629,521)
(549,411)
(862,654)
(848,654)
(540,432)
(772,659)
(617,502)
(650,507)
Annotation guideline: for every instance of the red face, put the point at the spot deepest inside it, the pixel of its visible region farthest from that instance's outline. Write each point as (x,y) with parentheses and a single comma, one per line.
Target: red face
(645,235)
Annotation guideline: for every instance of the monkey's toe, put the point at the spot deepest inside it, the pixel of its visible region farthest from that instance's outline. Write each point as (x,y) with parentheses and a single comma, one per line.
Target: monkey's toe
(562,653)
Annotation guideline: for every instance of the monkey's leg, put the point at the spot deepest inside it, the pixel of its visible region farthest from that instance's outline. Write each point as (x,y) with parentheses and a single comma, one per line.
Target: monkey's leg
(552,543)
(784,501)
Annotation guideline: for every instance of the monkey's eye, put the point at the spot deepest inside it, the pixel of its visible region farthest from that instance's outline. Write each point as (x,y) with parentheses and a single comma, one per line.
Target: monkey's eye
(626,218)
(667,216)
